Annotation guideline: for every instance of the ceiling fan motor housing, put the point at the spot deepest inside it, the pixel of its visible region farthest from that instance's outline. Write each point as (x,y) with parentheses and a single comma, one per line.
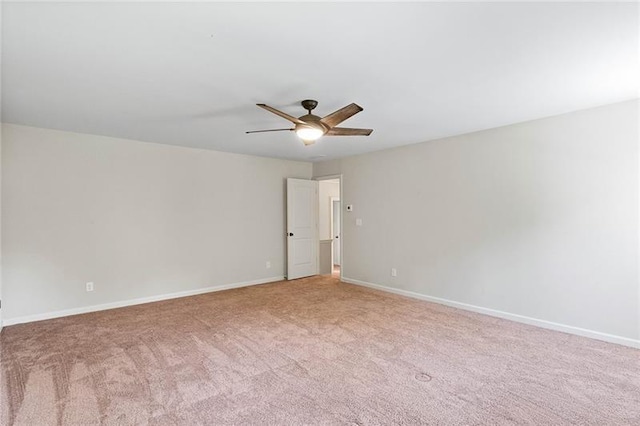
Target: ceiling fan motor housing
(312,121)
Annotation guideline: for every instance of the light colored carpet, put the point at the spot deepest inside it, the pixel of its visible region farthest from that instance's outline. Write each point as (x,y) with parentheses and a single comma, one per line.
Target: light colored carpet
(312,351)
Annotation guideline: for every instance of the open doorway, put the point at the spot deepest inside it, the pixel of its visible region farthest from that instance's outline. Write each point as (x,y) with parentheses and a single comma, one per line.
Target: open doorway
(330,226)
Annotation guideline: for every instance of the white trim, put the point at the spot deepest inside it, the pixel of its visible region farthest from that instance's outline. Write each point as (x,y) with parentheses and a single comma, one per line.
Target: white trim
(611,338)
(131,302)
(328,177)
(331,227)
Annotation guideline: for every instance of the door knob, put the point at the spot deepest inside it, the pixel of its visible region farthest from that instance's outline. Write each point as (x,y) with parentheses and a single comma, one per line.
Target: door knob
(337,236)
(291,234)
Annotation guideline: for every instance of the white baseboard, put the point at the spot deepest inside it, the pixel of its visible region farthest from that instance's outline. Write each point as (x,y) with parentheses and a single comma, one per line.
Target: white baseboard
(505,315)
(131,302)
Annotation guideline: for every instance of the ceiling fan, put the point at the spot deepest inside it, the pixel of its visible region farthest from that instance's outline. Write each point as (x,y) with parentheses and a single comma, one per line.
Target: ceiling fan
(310,127)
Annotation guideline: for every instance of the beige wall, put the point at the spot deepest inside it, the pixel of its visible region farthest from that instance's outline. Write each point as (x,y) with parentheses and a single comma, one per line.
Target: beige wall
(538,219)
(137,219)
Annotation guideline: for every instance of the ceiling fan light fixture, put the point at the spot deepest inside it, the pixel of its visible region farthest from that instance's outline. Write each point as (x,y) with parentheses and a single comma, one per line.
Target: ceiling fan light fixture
(310,128)
(309,133)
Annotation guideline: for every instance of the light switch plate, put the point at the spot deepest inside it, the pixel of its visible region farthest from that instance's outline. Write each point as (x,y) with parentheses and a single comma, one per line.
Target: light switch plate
(358,222)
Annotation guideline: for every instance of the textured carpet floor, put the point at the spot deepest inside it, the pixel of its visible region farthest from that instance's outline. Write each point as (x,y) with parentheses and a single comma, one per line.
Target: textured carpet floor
(312,351)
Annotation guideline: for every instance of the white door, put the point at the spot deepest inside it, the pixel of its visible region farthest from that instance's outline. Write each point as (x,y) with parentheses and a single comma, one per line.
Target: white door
(336,231)
(302,228)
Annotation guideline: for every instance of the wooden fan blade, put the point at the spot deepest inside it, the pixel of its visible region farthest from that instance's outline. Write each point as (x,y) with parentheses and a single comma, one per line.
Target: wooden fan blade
(344,131)
(271,130)
(340,115)
(282,114)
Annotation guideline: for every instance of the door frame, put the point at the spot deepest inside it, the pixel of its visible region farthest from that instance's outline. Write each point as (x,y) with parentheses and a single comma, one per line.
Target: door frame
(339,177)
(332,227)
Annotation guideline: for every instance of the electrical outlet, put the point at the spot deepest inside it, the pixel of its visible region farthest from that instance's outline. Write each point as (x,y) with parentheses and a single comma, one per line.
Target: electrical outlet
(394,272)
(268,265)
(89,286)
(358,222)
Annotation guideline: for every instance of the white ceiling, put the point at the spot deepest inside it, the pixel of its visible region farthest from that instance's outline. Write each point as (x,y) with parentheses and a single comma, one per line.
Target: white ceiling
(191,74)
